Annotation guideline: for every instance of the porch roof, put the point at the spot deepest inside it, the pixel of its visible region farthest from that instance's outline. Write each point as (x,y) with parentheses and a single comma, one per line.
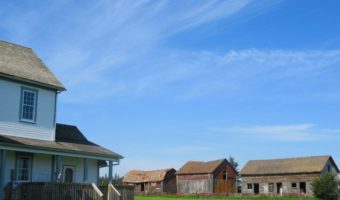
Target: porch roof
(69,141)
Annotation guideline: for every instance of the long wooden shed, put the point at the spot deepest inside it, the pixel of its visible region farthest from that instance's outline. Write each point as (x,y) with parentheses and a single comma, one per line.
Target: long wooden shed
(287,176)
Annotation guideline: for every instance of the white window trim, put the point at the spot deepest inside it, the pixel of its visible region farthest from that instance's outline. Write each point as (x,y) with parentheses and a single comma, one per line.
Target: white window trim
(31,90)
(30,170)
(69,167)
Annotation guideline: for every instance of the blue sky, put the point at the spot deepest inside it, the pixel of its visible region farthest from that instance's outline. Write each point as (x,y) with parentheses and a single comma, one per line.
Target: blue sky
(164,82)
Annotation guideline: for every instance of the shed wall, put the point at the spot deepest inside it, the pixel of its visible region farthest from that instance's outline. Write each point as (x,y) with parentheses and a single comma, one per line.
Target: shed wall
(287,181)
(195,184)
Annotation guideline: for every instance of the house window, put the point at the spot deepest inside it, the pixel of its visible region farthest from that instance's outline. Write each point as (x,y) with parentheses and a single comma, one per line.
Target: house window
(293,185)
(328,168)
(24,166)
(28,105)
(250,186)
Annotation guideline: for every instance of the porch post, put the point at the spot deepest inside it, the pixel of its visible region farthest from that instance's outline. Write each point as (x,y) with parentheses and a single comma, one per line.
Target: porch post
(58,171)
(85,170)
(3,169)
(110,172)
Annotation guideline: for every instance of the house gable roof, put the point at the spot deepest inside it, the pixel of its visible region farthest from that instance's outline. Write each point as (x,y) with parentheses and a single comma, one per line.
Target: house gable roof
(68,140)
(313,164)
(199,167)
(22,64)
(140,176)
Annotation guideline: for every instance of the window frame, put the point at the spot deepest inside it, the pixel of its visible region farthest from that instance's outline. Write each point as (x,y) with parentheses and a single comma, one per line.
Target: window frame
(35,104)
(249,186)
(294,185)
(30,168)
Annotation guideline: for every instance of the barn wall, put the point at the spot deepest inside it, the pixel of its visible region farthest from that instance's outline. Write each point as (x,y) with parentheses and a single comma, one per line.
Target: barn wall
(170,183)
(149,187)
(268,182)
(195,184)
(225,185)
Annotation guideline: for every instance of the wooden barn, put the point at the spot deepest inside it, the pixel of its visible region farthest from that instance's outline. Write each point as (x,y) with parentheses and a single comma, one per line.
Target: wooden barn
(161,181)
(213,177)
(290,176)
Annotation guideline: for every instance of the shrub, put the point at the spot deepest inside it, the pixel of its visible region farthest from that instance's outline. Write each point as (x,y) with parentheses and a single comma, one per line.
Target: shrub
(325,187)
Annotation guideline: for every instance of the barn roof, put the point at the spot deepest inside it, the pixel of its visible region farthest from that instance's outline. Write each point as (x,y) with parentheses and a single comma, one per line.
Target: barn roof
(68,140)
(313,164)
(199,167)
(140,176)
(22,64)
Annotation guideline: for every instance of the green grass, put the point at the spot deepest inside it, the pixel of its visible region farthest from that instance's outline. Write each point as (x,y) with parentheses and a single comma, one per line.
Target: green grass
(218,197)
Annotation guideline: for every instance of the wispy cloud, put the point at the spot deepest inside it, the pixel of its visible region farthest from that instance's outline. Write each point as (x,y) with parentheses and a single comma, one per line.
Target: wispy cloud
(118,49)
(295,132)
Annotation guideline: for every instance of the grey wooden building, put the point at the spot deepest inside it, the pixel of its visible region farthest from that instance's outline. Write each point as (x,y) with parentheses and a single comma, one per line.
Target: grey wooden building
(162,181)
(212,177)
(289,176)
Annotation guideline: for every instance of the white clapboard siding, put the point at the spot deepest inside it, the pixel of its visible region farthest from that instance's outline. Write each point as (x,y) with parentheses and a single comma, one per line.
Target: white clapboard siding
(26,130)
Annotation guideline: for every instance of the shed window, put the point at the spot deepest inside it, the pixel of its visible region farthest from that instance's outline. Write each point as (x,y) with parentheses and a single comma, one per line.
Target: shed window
(293,185)
(225,175)
(28,105)
(271,187)
(250,186)
(23,168)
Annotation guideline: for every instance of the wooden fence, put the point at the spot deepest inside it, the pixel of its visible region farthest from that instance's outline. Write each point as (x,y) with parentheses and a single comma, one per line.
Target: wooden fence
(56,191)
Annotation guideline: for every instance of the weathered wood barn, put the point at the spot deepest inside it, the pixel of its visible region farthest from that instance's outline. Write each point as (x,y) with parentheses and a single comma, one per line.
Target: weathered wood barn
(161,181)
(290,176)
(213,177)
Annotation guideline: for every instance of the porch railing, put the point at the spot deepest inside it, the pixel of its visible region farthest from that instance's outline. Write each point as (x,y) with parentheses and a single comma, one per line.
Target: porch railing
(56,191)
(118,192)
(112,193)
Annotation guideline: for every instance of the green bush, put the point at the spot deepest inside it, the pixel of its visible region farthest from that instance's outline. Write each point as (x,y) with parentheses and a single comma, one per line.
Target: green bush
(325,187)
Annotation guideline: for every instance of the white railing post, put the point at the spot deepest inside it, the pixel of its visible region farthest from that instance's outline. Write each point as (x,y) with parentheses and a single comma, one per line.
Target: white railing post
(96,189)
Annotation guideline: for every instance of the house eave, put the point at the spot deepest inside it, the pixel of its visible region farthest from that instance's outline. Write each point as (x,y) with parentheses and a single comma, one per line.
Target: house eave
(280,174)
(52,151)
(20,79)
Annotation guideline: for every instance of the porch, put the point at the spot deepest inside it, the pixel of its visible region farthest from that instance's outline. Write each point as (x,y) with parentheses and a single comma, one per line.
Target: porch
(69,159)
(67,191)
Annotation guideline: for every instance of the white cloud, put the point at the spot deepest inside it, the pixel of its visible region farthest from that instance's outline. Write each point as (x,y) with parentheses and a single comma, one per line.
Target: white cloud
(116,48)
(295,132)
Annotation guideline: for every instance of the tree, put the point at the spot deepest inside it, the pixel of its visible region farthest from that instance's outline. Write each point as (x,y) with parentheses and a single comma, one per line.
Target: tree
(104,180)
(325,187)
(233,162)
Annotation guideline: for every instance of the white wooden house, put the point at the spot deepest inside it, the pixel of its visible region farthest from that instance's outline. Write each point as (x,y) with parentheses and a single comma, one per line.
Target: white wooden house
(33,147)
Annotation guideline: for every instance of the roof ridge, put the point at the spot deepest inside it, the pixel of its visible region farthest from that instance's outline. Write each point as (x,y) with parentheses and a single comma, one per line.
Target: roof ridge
(18,45)
(301,157)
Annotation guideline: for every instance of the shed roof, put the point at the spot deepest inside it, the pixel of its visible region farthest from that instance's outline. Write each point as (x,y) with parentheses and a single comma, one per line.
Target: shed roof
(313,164)
(199,167)
(140,176)
(21,63)
(68,139)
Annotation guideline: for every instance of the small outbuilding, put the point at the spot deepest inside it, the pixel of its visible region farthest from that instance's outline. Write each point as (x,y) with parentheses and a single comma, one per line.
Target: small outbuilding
(289,176)
(213,177)
(161,181)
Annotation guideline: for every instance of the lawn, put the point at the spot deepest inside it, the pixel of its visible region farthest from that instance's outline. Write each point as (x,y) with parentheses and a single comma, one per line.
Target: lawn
(216,198)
